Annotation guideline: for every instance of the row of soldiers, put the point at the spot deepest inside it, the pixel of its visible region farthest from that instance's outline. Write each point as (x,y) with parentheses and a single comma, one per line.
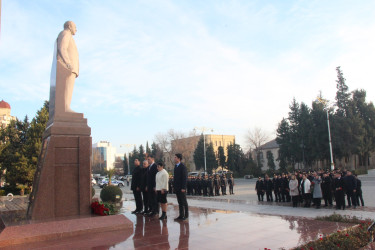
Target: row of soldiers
(333,186)
(207,185)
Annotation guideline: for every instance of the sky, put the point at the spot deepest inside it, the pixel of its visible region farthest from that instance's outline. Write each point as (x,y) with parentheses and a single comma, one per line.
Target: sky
(150,66)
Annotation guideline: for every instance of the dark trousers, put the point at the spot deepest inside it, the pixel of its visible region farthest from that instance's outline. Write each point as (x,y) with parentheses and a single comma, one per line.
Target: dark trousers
(153,204)
(260,196)
(359,197)
(317,202)
(217,191)
(231,189)
(327,196)
(223,190)
(182,204)
(307,199)
(146,205)
(277,196)
(350,196)
(295,200)
(138,200)
(269,196)
(340,199)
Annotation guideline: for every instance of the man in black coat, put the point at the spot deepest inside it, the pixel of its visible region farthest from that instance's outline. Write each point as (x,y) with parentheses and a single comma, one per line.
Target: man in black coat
(180,183)
(259,187)
(339,189)
(326,186)
(151,186)
(146,205)
(268,186)
(351,188)
(136,186)
(358,192)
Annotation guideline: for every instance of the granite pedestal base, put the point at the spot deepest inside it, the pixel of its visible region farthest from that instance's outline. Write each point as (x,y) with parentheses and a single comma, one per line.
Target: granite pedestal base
(62,183)
(107,230)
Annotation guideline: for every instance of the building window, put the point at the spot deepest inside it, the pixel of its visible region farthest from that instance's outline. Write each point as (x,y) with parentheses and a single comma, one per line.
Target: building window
(220,143)
(216,143)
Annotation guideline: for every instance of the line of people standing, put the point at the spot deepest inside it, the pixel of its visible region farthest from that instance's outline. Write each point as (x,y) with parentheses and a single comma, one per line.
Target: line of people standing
(310,188)
(210,185)
(150,184)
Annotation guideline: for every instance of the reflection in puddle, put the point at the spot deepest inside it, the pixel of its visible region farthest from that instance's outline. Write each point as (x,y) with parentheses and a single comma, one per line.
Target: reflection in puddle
(208,228)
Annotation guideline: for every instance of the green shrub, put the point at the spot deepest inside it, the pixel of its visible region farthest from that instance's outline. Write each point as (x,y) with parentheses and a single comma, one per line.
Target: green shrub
(360,171)
(2,193)
(92,192)
(111,193)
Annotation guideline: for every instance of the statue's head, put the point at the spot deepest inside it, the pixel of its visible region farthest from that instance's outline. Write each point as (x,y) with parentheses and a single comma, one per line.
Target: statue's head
(69,25)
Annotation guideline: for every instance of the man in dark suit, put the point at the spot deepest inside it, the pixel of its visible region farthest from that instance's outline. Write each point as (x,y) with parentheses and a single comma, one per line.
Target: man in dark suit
(136,187)
(151,186)
(339,188)
(144,171)
(180,183)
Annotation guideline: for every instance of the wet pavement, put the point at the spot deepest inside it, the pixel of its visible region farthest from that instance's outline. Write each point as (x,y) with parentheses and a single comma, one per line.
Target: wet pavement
(223,229)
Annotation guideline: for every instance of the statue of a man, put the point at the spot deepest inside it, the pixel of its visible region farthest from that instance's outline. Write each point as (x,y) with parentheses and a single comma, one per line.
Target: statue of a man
(67,56)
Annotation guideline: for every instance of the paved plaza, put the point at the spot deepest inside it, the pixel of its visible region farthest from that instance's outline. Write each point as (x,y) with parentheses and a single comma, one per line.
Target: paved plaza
(233,221)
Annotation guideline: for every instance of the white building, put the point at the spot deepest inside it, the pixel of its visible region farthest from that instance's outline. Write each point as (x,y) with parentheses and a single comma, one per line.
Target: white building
(103,156)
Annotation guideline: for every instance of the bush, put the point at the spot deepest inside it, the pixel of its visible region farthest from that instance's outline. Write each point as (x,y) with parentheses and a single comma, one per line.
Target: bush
(360,171)
(92,192)
(2,193)
(111,193)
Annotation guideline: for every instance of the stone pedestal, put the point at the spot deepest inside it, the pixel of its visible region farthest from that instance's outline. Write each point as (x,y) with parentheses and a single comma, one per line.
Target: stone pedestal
(62,183)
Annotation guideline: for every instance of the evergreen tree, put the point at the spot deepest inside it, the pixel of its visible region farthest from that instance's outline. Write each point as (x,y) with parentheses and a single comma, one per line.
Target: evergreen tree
(221,156)
(270,161)
(126,166)
(211,158)
(132,156)
(199,154)
(148,150)
(157,152)
(142,155)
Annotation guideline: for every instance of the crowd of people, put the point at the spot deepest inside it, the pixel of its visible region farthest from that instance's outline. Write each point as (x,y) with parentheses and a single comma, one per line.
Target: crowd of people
(207,185)
(310,188)
(150,186)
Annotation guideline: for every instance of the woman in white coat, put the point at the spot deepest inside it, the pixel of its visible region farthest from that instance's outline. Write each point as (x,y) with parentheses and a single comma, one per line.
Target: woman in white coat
(305,190)
(294,192)
(162,178)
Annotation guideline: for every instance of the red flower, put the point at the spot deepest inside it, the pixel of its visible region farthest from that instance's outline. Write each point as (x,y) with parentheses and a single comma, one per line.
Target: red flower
(321,239)
(311,248)
(347,235)
(338,245)
(338,231)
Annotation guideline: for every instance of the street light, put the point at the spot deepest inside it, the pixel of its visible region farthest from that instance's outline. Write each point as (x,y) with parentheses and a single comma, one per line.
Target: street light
(324,102)
(204,129)
(127,146)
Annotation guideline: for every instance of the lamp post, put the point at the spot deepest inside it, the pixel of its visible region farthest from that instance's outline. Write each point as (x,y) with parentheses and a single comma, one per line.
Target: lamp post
(324,102)
(204,129)
(127,146)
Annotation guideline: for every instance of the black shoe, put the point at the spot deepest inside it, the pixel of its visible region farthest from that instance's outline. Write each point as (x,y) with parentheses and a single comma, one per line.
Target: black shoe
(185,218)
(163,217)
(179,218)
(152,214)
(135,212)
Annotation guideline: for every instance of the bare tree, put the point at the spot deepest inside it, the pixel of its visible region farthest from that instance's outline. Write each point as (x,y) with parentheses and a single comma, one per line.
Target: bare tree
(173,142)
(255,138)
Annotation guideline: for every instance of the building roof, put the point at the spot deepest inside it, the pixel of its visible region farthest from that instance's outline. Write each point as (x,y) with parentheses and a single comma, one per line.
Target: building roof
(4,105)
(270,145)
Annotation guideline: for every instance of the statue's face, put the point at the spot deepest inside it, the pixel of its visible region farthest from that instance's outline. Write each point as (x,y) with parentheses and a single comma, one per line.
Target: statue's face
(73,28)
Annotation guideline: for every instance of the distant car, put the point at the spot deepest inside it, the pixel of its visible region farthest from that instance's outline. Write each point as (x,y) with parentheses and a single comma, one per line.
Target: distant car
(248,176)
(104,182)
